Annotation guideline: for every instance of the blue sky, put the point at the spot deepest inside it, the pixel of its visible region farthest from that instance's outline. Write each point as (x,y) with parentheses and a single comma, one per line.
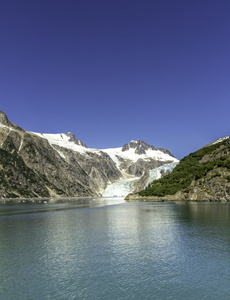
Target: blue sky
(115,70)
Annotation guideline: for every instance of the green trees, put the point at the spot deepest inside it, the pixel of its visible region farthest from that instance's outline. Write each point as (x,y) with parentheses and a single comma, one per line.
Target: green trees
(190,168)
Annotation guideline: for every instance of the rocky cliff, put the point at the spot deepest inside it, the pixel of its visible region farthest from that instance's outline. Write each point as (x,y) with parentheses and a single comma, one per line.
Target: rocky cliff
(30,167)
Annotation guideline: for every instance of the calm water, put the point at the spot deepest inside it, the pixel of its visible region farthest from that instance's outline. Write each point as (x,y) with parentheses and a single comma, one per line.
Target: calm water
(92,250)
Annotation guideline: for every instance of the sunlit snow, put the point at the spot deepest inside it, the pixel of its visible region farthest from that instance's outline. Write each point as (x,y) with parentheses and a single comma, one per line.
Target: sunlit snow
(220,140)
(130,154)
(1,125)
(62,140)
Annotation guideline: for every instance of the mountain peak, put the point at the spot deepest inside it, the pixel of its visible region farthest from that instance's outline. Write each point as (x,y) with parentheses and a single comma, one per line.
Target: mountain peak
(72,138)
(3,118)
(141,147)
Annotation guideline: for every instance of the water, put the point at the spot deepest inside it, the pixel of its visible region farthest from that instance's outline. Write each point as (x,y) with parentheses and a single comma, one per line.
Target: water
(93,250)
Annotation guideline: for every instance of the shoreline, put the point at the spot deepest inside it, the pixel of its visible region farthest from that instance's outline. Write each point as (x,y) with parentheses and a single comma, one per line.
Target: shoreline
(171,199)
(43,200)
(53,200)
(129,198)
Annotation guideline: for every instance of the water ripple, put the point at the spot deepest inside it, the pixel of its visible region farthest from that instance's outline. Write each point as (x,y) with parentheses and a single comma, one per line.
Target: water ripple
(127,251)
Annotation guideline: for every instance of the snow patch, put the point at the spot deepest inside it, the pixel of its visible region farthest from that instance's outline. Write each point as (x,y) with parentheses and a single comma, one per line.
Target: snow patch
(62,140)
(1,125)
(60,153)
(221,140)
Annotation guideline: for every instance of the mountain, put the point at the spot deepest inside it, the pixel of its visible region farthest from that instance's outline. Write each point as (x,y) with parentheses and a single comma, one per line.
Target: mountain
(60,165)
(139,163)
(201,176)
(141,147)
(137,157)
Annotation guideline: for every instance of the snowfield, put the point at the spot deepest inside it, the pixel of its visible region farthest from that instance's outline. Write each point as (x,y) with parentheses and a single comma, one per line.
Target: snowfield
(62,140)
(131,155)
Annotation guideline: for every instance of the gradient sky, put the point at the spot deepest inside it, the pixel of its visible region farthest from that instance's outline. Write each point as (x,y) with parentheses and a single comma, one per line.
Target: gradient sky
(111,71)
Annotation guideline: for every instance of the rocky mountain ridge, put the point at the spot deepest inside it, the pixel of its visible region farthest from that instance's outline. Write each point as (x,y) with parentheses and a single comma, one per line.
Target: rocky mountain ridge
(60,165)
(141,147)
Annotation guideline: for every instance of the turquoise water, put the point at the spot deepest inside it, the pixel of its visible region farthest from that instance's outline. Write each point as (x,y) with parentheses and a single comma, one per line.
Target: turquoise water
(92,250)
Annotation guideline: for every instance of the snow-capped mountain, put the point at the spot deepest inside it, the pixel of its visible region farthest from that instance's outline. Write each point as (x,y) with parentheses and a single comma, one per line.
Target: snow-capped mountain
(136,150)
(65,140)
(141,147)
(127,155)
(135,162)
(140,164)
(61,165)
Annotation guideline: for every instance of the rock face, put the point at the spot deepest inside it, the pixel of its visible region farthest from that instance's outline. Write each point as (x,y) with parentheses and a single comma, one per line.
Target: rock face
(60,165)
(30,167)
(98,166)
(210,181)
(3,118)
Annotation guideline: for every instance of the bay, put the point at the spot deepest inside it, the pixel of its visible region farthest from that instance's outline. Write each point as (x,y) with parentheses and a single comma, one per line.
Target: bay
(105,248)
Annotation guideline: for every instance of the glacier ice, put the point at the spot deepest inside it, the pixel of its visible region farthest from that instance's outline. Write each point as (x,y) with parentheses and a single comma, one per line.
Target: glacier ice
(123,187)
(157,172)
(120,188)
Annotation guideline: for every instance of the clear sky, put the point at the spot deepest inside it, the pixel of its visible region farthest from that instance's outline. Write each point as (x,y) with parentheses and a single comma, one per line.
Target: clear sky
(111,71)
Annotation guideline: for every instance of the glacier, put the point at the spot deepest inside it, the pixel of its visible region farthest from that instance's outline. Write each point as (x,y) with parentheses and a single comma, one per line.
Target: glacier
(120,188)
(157,172)
(123,187)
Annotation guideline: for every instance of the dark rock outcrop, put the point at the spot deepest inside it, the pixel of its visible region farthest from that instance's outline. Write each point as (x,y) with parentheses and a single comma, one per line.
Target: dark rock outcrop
(3,118)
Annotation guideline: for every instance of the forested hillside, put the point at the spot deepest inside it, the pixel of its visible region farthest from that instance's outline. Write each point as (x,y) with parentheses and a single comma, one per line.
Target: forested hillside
(204,174)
